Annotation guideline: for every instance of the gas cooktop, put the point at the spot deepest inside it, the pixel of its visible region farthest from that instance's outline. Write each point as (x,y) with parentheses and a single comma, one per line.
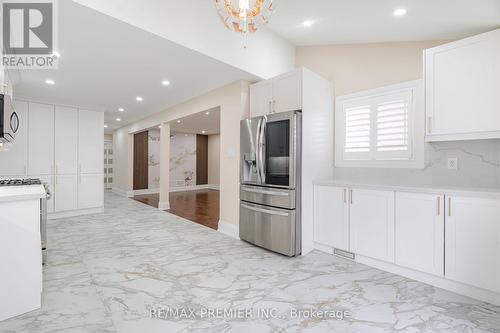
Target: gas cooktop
(20,182)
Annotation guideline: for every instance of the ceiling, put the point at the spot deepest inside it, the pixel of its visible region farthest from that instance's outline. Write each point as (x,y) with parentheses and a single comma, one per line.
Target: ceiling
(368,21)
(198,122)
(105,64)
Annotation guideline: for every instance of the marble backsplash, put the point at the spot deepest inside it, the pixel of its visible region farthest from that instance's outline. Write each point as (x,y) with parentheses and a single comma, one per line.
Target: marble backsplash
(478,166)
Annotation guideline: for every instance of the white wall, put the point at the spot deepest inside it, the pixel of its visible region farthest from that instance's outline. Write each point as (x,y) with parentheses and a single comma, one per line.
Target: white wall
(182,159)
(233,102)
(153,159)
(195,24)
(357,67)
(214,159)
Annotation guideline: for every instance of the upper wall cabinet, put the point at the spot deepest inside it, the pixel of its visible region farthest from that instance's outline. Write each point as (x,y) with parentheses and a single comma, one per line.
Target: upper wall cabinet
(90,142)
(41,139)
(279,94)
(462,89)
(66,139)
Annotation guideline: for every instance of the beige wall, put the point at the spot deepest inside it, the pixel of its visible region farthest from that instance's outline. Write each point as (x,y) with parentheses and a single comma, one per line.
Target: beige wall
(233,102)
(357,67)
(214,159)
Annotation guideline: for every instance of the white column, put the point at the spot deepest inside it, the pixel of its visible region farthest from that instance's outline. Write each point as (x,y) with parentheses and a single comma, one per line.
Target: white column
(164,166)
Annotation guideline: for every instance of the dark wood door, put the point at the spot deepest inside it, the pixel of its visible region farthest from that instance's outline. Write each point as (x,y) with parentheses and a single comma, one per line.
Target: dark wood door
(141,161)
(201,159)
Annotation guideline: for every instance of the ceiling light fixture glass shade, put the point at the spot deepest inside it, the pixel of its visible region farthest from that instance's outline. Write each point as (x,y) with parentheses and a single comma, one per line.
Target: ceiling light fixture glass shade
(244,16)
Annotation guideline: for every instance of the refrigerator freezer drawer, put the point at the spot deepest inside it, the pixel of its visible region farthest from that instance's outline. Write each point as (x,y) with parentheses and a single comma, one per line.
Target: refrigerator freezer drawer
(276,197)
(269,227)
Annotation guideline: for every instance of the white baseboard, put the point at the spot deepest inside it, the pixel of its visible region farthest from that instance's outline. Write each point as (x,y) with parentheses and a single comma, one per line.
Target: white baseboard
(123,193)
(229,229)
(433,280)
(146,191)
(194,188)
(163,205)
(73,213)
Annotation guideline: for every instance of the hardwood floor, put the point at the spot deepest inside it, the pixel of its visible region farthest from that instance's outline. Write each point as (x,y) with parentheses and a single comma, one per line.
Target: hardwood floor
(200,206)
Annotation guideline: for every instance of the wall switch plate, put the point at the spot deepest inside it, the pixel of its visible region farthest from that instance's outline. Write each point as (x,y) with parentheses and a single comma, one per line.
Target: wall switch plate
(453,163)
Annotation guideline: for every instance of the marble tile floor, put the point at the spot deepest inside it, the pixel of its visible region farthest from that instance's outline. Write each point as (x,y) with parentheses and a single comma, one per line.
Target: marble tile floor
(107,272)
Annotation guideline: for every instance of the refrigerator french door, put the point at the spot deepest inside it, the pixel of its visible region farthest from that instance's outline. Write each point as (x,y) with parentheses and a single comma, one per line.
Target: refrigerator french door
(270,181)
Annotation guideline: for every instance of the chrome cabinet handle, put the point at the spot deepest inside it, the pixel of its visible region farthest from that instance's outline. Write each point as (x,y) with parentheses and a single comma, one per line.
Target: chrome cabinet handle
(270,107)
(246,189)
(274,106)
(265,211)
(344,195)
(429,123)
(350,196)
(438,205)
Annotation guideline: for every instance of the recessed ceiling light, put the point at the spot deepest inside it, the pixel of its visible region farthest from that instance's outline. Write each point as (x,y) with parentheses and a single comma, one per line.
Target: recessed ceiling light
(203,132)
(50,82)
(308,23)
(165,82)
(185,135)
(121,109)
(139,99)
(207,113)
(159,126)
(178,121)
(105,126)
(118,119)
(400,12)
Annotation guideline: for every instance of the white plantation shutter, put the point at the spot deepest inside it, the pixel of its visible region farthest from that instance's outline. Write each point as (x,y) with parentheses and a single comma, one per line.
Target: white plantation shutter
(357,129)
(393,126)
(379,127)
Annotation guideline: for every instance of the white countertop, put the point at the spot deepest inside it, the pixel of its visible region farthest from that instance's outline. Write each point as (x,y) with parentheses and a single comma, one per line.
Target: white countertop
(19,193)
(443,190)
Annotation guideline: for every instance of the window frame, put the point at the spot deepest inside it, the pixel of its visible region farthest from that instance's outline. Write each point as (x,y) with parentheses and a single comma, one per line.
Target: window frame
(416,128)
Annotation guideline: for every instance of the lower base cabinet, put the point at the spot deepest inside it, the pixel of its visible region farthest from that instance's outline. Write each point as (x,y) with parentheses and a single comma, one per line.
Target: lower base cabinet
(65,193)
(372,224)
(90,191)
(331,217)
(473,241)
(419,232)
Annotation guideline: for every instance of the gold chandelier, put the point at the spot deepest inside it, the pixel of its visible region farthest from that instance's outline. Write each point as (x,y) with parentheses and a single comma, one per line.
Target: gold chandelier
(247,17)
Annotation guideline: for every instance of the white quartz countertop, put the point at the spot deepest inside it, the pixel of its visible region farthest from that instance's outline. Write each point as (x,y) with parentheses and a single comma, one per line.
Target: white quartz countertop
(19,193)
(443,190)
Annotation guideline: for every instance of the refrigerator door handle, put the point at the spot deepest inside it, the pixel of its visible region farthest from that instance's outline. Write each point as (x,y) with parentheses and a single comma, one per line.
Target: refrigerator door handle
(262,135)
(257,154)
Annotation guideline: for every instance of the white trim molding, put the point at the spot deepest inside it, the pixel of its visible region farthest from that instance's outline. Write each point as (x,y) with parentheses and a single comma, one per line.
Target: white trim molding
(163,205)
(123,193)
(229,229)
(146,191)
(194,188)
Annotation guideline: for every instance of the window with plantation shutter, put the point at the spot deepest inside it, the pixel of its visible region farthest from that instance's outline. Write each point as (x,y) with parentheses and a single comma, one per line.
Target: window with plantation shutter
(378,128)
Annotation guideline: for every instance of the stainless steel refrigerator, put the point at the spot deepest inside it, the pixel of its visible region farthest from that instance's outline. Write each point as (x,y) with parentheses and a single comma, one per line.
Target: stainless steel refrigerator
(270,184)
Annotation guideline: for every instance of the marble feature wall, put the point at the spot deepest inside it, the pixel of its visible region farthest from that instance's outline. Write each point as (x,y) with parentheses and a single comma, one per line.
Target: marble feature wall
(153,159)
(478,166)
(182,159)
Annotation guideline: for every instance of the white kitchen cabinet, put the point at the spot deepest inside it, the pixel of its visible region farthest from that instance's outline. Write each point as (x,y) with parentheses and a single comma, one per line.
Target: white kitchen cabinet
(372,223)
(90,142)
(462,80)
(287,91)
(66,192)
(13,160)
(90,191)
(40,139)
(279,94)
(66,140)
(473,241)
(261,98)
(331,217)
(419,232)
